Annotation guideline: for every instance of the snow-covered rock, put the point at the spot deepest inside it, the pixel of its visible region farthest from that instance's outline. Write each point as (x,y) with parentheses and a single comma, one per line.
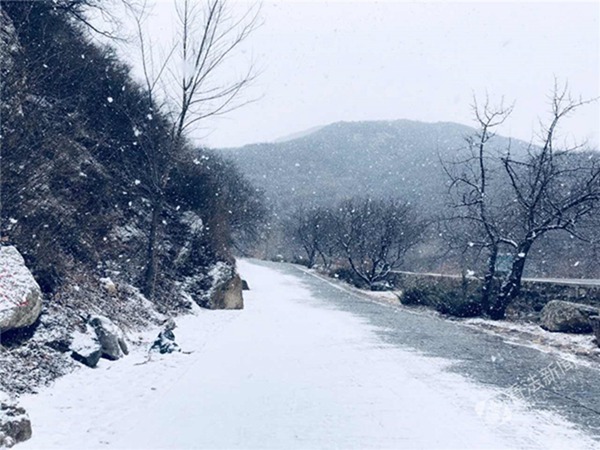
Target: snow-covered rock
(15,425)
(111,338)
(567,317)
(102,339)
(86,347)
(226,292)
(20,295)
(228,295)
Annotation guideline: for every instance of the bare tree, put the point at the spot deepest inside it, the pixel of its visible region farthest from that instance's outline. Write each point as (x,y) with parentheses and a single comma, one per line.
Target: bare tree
(188,84)
(511,200)
(311,229)
(374,236)
(473,202)
(553,188)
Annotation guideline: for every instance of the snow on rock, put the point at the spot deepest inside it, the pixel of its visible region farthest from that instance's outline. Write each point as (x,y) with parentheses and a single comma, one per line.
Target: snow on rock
(86,347)
(20,295)
(101,339)
(193,221)
(567,317)
(109,285)
(111,338)
(15,425)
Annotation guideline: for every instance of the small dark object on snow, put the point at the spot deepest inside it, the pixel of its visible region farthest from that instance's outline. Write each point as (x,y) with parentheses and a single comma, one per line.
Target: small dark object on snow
(245,286)
(165,342)
(15,425)
(595,322)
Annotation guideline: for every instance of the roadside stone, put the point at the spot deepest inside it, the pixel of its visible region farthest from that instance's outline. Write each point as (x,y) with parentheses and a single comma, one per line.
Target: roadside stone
(245,286)
(567,317)
(111,338)
(228,294)
(15,425)
(85,347)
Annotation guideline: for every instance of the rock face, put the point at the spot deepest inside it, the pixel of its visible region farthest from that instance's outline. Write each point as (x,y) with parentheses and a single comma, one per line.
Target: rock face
(567,317)
(15,425)
(20,295)
(228,294)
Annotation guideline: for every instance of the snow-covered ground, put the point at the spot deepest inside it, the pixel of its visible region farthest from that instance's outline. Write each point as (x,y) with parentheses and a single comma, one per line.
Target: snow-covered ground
(287,372)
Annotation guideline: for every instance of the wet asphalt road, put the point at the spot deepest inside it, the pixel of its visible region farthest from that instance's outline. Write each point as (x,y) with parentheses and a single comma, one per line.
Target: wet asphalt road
(545,381)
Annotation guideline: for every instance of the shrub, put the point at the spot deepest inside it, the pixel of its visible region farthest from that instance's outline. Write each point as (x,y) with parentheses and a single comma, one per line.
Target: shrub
(455,303)
(349,276)
(417,296)
(450,302)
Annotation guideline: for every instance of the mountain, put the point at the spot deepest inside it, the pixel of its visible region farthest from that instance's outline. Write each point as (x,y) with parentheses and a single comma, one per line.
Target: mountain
(400,159)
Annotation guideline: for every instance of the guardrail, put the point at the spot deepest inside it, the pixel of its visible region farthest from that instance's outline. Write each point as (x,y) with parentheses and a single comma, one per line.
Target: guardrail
(580,282)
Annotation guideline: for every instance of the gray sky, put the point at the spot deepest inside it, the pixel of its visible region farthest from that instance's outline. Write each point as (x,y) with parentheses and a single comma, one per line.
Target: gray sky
(324,62)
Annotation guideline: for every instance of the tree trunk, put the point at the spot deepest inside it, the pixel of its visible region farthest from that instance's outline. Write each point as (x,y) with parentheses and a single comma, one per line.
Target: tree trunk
(512,286)
(152,253)
(488,280)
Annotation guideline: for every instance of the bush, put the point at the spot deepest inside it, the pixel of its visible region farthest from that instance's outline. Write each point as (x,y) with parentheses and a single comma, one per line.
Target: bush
(417,296)
(450,302)
(349,276)
(454,303)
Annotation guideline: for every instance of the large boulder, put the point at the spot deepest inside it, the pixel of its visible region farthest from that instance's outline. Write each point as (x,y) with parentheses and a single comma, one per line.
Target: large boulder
(20,295)
(567,317)
(15,425)
(228,294)
(111,338)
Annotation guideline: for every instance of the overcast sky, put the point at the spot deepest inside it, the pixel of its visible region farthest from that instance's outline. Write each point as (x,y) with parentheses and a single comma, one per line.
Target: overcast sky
(324,62)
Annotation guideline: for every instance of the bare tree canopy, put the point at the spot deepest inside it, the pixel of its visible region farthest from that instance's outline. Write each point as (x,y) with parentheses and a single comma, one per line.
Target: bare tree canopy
(507,201)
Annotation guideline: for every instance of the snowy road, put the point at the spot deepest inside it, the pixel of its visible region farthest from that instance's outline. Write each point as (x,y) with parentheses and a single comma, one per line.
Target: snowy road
(303,366)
